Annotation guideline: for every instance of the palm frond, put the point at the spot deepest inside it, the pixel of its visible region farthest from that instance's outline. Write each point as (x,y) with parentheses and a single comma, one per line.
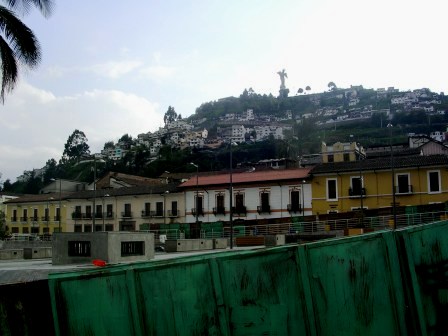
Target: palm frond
(44,6)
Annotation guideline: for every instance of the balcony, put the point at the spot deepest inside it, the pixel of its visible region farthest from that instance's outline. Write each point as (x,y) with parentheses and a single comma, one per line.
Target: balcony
(173,213)
(158,214)
(146,214)
(355,192)
(24,219)
(13,219)
(403,189)
(98,215)
(77,215)
(199,213)
(264,209)
(219,211)
(239,211)
(126,214)
(294,208)
(34,219)
(87,215)
(57,218)
(109,214)
(45,218)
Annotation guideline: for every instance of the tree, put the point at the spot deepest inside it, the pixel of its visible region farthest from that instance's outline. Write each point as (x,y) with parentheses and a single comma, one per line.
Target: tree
(18,44)
(75,147)
(332,86)
(170,115)
(300,91)
(308,88)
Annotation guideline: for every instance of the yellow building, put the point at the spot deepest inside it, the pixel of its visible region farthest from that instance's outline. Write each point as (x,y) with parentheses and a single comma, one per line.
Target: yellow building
(348,186)
(36,214)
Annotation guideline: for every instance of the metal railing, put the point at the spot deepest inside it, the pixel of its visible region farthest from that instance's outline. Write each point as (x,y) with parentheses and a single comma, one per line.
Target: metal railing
(314,227)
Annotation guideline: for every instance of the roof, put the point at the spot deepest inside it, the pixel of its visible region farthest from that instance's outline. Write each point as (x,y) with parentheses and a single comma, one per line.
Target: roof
(383,163)
(126,179)
(137,190)
(248,177)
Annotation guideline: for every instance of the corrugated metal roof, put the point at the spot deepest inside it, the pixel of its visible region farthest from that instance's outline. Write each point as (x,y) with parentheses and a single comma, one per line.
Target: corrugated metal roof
(248,177)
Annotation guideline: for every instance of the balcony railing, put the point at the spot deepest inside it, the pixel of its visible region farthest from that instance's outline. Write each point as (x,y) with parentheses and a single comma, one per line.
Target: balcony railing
(126,214)
(240,211)
(158,214)
(173,213)
(146,214)
(199,213)
(356,192)
(294,208)
(77,215)
(219,211)
(57,218)
(110,214)
(34,219)
(13,219)
(404,189)
(45,218)
(264,209)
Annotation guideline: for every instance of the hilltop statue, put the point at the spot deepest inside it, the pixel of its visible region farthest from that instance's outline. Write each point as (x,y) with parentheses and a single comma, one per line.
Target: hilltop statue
(282,75)
(283,90)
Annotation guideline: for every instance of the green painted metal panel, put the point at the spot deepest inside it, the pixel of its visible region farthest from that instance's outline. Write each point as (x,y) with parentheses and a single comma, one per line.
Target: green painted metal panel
(425,259)
(262,293)
(355,286)
(94,303)
(177,299)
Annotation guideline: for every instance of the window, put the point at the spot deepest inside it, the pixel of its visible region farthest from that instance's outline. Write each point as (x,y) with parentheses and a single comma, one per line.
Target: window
(173,212)
(403,185)
(79,249)
(132,248)
(332,190)
(346,157)
(159,209)
(356,188)
(199,205)
(220,208)
(88,211)
(239,204)
(330,158)
(127,210)
(58,214)
(14,216)
(109,211)
(264,203)
(35,215)
(434,181)
(295,205)
(99,211)
(147,211)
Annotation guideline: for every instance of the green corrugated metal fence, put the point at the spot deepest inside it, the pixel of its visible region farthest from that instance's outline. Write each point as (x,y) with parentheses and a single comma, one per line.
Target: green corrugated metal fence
(384,283)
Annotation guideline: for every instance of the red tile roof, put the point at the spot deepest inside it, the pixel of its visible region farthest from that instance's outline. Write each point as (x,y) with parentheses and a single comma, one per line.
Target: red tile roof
(253,177)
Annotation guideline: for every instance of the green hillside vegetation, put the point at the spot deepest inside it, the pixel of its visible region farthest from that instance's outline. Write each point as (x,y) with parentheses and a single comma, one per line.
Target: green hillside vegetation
(309,123)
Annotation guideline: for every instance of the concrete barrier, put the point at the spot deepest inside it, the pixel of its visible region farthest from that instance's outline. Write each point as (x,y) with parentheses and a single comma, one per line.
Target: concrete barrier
(220,243)
(185,245)
(275,240)
(8,254)
(37,252)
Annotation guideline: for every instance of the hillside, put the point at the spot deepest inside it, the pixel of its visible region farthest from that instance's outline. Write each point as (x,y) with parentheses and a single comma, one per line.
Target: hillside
(306,120)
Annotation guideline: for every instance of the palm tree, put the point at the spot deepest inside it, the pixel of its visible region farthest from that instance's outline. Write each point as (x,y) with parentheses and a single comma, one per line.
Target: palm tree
(18,44)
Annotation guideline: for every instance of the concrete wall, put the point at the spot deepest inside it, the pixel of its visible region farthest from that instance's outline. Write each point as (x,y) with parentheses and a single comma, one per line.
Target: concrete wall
(106,246)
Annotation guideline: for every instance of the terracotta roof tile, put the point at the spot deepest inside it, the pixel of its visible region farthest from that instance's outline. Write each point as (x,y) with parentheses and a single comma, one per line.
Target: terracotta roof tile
(251,177)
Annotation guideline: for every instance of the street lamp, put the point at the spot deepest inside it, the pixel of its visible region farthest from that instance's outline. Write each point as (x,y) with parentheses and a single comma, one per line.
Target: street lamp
(60,203)
(303,202)
(394,212)
(103,212)
(197,193)
(231,194)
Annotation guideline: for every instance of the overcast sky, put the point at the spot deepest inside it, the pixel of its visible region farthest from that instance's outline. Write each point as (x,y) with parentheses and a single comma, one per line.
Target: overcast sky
(113,67)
